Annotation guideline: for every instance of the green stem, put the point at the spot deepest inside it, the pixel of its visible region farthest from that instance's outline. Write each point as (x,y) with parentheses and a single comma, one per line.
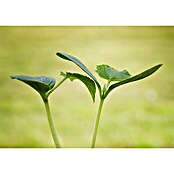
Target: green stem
(51,124)
(108,84)
(50,91)
(97,123)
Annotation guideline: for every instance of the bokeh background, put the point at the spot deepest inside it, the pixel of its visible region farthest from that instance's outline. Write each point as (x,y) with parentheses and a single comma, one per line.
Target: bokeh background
(139,114)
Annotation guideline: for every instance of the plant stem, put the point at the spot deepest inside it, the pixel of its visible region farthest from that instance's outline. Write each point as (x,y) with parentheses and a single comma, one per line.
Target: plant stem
(50,91)
(97,123)
(51,124)
(108,84)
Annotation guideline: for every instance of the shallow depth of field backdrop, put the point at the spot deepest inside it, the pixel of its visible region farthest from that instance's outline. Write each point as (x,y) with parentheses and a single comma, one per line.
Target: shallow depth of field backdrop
(139,114)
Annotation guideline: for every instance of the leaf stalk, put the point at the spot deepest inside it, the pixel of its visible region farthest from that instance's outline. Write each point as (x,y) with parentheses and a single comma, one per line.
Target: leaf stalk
(50,91)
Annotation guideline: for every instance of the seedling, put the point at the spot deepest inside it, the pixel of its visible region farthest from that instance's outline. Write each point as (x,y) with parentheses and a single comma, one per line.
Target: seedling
(112,75)
(44,86)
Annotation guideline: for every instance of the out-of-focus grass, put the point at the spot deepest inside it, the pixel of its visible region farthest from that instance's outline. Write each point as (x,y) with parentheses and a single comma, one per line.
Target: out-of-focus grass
(136,115)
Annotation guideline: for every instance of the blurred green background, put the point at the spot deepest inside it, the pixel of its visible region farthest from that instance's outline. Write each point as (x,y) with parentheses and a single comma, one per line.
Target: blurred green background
(140,114)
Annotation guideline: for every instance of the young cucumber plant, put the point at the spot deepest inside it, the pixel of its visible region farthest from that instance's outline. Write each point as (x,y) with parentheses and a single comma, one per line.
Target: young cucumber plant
(111,75)
(44,86)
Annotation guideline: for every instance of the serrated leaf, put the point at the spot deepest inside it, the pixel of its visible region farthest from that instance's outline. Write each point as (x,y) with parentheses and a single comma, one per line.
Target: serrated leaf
(41,84)
(80,64)
(134,78)
(89,83)
(111,74)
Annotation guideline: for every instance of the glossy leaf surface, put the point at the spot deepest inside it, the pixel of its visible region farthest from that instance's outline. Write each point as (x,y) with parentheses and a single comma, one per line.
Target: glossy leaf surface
(80,64)
(41,84)
(86,80)
(140,76)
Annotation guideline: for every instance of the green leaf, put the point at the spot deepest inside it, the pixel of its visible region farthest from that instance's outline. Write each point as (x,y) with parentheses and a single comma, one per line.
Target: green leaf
(41,84)
(80,64)
(111,74)
(86,80)
(134,78)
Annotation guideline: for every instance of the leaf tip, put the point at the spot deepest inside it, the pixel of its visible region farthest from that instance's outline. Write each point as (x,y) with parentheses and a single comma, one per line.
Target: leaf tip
(59,53)
(62,73)
(14,77)
(160,64)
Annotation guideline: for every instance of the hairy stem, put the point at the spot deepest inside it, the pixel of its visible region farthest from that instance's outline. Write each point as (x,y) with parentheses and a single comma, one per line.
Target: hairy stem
(51,124)
(97,123)
(50,91)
